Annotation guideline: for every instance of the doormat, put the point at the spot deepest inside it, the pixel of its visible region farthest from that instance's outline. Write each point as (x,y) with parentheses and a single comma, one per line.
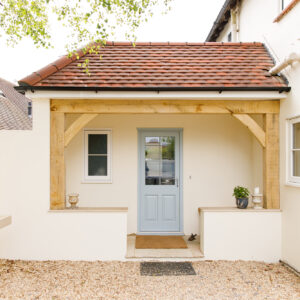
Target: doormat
(159,242)
(166,269)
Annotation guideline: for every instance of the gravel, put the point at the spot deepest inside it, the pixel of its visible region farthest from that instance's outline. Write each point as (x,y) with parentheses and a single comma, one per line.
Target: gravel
(122,280)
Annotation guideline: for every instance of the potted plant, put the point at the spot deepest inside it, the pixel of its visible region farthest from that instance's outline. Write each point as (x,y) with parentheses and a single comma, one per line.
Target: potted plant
(241,195)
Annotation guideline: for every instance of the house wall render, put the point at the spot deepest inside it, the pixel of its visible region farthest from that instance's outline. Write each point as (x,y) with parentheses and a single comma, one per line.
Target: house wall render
(281,38)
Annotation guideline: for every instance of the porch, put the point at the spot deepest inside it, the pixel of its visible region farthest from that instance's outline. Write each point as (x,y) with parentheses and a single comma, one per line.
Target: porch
(217,135)
(70,117)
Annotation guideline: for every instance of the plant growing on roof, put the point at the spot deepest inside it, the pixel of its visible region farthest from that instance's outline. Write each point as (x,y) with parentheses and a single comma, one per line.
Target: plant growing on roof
(241,195)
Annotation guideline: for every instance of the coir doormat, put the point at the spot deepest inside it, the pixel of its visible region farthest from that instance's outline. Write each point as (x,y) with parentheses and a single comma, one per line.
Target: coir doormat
(159,242)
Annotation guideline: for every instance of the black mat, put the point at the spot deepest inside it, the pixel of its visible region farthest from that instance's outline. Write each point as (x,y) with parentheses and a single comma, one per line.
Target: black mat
(166,269)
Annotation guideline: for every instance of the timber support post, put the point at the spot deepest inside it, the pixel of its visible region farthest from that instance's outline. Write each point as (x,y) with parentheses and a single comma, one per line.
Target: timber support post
(57,160)
(271,162)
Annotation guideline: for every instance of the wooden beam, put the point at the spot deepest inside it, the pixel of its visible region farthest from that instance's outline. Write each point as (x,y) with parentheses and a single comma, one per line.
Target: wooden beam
(57,162)
(76,126)
(165,106)
(271,162)
(257,131)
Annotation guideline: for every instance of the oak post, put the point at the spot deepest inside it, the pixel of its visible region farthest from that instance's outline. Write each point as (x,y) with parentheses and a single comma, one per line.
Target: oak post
(271,162)
(57,160)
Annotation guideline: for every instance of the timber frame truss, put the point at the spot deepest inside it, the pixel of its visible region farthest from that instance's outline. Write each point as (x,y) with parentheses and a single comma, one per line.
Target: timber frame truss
(87,110)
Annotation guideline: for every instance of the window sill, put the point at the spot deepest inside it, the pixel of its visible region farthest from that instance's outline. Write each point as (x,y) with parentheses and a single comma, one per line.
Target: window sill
(294,184)
(96,181)
(89,209)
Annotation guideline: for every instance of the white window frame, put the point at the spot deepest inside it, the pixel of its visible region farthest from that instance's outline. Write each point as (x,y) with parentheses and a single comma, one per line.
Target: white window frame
(291,179)
(98,179)
(283,6)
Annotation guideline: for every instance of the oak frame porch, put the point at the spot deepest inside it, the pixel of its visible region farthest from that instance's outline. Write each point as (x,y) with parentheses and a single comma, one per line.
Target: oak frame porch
(268,136)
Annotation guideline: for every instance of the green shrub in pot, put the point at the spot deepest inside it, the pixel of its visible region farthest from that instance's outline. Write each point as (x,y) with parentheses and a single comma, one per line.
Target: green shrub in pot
(241,195)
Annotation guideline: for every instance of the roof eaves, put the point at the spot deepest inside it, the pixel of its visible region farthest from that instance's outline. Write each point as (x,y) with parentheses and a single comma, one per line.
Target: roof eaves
(221,20)
(154,88)
(53,67)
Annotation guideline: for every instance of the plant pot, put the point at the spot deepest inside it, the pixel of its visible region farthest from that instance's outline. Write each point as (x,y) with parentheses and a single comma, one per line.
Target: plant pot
(73,199)
(242,203)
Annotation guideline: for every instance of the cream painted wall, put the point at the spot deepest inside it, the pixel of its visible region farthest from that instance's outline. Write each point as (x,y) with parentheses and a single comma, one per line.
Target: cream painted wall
(224,34)
(281,38)
(217,155)
(257,235)
(36,233)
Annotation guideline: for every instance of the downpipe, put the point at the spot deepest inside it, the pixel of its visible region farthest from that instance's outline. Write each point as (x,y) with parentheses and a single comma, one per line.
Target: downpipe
(289,60)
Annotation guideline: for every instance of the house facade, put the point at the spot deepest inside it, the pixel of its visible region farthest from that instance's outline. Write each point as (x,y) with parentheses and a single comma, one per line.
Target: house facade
(154,134)
(277,27)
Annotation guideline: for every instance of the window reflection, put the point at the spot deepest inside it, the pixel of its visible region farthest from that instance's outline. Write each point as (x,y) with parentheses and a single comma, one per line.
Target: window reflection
(160,160)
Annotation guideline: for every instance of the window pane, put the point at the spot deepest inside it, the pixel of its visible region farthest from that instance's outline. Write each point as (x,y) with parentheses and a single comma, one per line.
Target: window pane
(97,144)
(296,136)
(97,166)
(168,160)
(285,3)
(296,163)
(160,160)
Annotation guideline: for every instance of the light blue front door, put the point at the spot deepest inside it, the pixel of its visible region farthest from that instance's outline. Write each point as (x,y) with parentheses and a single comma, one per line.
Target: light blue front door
(159,174)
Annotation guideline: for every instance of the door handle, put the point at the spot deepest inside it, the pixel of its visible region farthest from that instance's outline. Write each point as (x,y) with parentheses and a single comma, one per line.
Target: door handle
(177,182)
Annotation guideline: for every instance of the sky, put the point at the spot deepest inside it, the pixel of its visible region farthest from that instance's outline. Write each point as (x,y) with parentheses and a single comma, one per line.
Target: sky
(188,21)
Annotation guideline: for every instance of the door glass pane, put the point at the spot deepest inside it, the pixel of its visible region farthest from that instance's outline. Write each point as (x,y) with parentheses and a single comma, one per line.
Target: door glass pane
(97,165)
(168,160)
(296,134)
(97,144)
(160,160)
(296,163)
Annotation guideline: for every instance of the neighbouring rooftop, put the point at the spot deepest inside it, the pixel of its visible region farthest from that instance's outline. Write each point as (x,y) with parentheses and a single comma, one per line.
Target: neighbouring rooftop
(182,66)
(13,108)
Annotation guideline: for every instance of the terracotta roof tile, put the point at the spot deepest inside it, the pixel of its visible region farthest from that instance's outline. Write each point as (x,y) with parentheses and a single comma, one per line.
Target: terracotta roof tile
(151,65)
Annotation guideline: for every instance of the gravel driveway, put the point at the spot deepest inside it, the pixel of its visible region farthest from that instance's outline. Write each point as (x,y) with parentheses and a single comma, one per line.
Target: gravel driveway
(122,280)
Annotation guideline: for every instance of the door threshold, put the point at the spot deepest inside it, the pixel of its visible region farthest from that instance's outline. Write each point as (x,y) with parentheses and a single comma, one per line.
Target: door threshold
(192,252)
(160,233)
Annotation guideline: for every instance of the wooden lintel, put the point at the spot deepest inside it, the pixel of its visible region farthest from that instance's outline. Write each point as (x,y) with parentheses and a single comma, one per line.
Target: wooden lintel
(57,162)
(271,162)
(76,126)
(165,106)
(251,124)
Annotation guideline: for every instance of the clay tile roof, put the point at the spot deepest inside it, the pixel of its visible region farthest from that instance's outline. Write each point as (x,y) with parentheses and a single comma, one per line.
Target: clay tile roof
(11,117)
(164,66)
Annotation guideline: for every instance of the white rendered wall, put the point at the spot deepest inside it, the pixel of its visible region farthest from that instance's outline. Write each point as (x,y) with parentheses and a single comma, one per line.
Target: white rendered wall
(36,233)
(241,235)
(224,34)
(218,154)
(255,18)
(281,38)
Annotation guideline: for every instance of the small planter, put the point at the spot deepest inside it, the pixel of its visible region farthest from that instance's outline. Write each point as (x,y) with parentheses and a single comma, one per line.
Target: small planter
(73,199)
(242,203)
(241,195)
